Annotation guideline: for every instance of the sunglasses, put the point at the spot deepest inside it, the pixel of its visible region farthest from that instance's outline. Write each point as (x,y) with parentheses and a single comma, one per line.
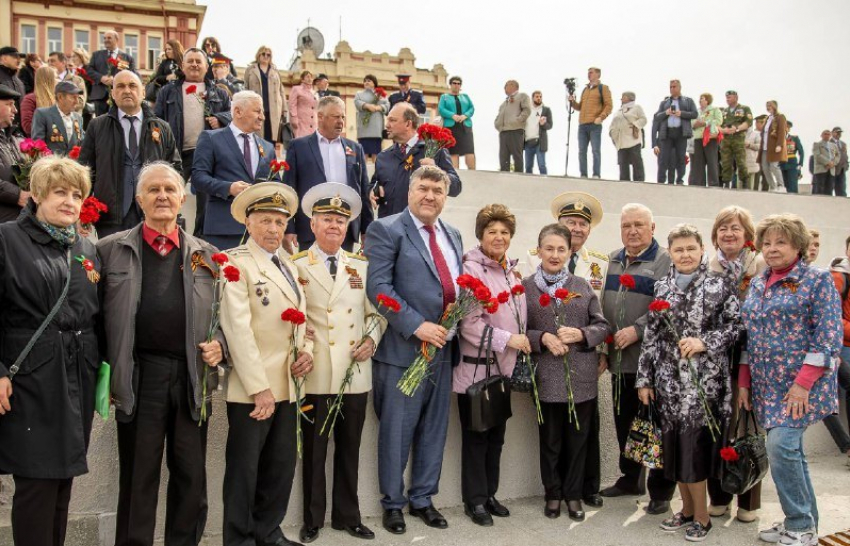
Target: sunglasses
(265,54)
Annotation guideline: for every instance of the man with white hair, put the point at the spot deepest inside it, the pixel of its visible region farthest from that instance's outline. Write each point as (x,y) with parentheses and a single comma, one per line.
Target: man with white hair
(116,147)
(222,171)
(646,262)
(103,67)
(156,300)
(192,105)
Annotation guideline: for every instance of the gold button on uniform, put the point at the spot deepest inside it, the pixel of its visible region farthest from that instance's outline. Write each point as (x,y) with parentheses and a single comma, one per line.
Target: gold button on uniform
(330,343)
(330,326)
(351,342)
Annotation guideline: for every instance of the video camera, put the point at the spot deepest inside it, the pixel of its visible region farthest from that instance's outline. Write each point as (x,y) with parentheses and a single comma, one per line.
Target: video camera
(571,85)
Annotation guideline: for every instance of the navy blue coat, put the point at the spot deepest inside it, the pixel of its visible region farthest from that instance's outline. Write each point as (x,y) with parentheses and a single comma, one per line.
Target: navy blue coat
(218,163)
(306,170)
(415,98)
(99,67)
(169,106)
(392,173)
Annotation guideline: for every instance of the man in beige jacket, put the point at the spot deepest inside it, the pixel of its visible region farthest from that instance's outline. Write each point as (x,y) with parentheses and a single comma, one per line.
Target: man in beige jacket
(339,312)
(510,122)
(261,401)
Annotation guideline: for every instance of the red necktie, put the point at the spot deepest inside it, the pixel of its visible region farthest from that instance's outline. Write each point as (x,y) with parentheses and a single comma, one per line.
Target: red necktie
(443,271)
(161,245)
(403,148)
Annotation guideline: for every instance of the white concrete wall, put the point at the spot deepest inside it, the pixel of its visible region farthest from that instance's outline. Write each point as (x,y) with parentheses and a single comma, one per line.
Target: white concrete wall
(528,197)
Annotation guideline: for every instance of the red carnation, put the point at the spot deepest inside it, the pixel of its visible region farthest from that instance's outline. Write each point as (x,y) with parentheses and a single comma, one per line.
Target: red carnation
(74,153)
(220,258)
(562,293)
(518,290)
(750,245)
(191,89)
(381,92)
(388,302)
(284,165)
(545,300)
(492,306)
(729,454)
(91,210)
(482,294)
(231,273)
(113,61)
(503,297)
(88,265)
(294,316)
(609,339)
(465,281)
(627,281)
(659,306)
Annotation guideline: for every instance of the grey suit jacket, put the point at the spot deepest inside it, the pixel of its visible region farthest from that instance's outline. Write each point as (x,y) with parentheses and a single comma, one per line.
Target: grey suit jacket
(401,267)
(689,113)
(823,153)
(47,125)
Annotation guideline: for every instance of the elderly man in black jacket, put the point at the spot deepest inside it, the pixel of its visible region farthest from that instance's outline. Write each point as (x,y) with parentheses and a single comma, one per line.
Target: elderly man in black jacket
(105,64)
(192,105)
(118,145)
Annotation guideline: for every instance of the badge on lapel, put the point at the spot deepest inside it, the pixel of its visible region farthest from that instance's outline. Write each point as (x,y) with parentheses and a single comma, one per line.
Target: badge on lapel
(303,282)
(156,134)
(262,292)
(77,130)
(354,279)
(408,163)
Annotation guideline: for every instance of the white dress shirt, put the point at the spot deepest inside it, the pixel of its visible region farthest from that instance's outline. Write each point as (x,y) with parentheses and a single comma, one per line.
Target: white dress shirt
(333,159)
(324,257)
(252,144)
(125,125)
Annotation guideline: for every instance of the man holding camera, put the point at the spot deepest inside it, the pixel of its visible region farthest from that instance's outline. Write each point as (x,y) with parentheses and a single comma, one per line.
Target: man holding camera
(673,119)
(595,105)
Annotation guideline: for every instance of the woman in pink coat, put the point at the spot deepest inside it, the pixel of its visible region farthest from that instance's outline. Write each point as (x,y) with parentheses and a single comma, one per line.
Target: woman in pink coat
(488,262)
(302,106)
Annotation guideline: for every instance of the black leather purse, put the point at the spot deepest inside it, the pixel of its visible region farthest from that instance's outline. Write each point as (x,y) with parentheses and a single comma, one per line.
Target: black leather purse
(522,374)
(490,398)
(739,476)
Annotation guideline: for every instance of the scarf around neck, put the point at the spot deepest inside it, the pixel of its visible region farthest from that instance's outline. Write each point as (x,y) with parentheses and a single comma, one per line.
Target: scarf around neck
(64,236)
(547,283)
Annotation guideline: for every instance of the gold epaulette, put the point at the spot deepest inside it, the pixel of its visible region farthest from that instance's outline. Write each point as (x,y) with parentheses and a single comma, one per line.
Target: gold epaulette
(299,255)
(599,255)
(355,256)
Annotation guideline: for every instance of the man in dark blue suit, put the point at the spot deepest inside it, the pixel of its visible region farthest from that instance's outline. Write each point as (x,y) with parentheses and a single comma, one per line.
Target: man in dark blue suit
(408,95)
(394,165)
(414,258)
(227,162)
(103,66)
(322,157)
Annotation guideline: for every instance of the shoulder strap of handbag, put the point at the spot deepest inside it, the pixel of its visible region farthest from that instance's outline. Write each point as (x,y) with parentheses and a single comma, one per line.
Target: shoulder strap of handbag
(21,357)
(486,345)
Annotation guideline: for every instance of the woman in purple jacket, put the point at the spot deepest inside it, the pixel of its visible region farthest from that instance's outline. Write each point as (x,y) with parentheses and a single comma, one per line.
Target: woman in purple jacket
(481,451)
(565,445)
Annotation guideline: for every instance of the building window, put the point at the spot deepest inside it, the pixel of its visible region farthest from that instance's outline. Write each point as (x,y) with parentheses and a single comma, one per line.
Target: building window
(54,40)
(81,39)
(131,44)
(27,38)
(154,51)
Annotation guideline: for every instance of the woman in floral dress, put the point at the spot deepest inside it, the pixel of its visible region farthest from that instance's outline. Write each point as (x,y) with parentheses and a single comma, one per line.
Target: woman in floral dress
(686,372)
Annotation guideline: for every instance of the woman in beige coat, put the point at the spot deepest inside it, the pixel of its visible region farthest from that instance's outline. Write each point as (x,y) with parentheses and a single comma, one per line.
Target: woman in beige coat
(262,77)
(626,127)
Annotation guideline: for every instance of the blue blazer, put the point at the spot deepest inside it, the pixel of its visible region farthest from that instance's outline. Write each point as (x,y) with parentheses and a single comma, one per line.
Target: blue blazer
(218,163)
(306,170)
(401,267)
(47,125)
(448,108)
(392,173)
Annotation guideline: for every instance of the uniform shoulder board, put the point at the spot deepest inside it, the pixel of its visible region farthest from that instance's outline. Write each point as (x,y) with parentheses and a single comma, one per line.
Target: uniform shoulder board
(532,252)
(354,256)
(238,251)
(598,255)
(299,255)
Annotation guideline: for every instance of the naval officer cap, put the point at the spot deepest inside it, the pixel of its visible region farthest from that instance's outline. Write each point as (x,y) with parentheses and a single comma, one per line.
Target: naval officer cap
(333,198)
(264,197)
(577,203)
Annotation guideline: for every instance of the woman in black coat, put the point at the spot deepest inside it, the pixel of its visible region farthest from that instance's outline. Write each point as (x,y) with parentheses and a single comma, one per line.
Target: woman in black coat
(47,397)
(169,68)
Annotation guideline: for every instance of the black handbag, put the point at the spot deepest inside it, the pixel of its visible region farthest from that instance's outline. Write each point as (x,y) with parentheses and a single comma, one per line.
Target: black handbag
(523,371)
(490,398)
(750,467)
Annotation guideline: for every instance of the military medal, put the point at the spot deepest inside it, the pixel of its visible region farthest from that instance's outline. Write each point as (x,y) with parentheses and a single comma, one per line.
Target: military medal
(303,282)
(262,292)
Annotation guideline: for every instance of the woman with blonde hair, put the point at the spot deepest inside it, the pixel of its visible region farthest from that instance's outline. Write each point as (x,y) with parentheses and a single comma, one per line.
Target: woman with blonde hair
(262,77)
(42,96)
(773,151)
(48,277)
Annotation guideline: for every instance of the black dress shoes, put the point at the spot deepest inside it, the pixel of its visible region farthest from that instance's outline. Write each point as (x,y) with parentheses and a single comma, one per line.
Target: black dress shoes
(575,510)
(617,491)
(496,508)
(357,531)
(478,514)
(283,541)
(552,513)
(430,516)
(594,500)
(394,521)
(656,507)
(309,534)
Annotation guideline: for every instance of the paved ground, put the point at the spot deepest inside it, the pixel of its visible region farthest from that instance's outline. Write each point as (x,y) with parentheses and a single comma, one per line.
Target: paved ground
(621,522)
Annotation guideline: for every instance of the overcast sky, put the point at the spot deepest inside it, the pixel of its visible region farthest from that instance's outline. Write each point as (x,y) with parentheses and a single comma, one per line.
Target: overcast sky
(792,51)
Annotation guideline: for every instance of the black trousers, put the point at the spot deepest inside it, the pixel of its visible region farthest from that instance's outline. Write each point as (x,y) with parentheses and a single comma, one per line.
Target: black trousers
(511,144)
(162,422)
(40,511)
(660,488)
(823,184)
(631,164)
(347,432)
(705,159)
(673,151)
(480,458)
(565,450)
(259,468)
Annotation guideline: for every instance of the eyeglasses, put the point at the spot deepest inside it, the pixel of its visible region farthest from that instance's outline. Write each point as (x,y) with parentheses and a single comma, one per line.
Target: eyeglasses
(266,54)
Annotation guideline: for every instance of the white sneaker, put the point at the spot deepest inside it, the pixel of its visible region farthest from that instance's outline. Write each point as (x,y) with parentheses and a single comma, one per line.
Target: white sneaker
(774,534)
(801,538)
